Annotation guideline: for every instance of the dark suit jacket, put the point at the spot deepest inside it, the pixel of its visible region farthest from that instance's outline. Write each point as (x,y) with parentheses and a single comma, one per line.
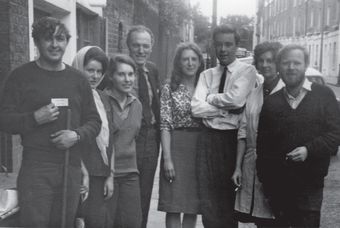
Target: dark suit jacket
(155,85)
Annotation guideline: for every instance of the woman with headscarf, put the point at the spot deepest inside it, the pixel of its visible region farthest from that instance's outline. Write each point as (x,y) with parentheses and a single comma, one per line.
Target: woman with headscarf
(98,155)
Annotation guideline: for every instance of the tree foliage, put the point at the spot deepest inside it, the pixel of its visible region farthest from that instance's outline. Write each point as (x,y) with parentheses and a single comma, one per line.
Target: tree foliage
(202,25)
(173,13)
(239,21)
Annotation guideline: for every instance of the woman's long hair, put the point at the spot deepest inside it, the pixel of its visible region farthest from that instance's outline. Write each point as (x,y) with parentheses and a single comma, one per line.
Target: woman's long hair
(177,73)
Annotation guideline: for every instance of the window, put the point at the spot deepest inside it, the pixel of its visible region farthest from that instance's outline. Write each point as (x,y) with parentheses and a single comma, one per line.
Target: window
(316,55)
(335,51)
(91,30)
(311,18)
(319,19)
(120,37)
(328,16)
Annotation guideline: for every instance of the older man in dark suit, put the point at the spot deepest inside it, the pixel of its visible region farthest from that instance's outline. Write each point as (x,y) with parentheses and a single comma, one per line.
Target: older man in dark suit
(140,41)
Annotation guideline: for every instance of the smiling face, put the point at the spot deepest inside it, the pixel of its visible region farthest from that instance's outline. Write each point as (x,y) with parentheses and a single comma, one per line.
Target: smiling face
(189,62)
(52,48)
(140,47)
(123,78)
(292,68)
(267,66)
(225,48)
(93,72)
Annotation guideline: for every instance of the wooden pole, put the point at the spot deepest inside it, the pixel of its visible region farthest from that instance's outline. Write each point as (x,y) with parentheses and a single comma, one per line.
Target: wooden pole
(64,202)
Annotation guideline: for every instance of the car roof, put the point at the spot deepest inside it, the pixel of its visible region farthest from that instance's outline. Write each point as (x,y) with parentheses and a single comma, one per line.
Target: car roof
(313,72)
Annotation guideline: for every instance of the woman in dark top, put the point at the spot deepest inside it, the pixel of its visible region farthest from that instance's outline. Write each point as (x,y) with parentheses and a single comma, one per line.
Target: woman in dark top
(97,154)
(179,131)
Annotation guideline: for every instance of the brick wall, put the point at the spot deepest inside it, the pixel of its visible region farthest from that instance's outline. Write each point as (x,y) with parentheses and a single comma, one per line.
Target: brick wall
(140,12)
(14,51)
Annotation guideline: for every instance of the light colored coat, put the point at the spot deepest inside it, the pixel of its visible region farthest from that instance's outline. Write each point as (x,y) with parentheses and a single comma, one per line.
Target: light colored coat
(252,190)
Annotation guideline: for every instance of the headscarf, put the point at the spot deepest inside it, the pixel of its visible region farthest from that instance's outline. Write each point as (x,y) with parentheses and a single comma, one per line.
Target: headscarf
(103,138)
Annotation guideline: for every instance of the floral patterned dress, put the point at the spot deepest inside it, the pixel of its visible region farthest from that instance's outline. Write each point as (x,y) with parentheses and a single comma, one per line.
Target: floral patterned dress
(179,196)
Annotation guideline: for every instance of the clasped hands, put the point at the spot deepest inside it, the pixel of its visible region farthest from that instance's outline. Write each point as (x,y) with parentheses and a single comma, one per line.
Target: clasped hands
(63,139)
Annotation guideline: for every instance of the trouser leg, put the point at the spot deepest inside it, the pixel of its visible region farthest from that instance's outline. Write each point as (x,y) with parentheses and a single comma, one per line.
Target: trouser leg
(216,160)
(40,188)
(147,158)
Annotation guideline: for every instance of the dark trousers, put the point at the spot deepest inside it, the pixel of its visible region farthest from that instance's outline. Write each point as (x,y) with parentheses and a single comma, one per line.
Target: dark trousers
(40,187)
(94,208)
(294,205)
(216,160)
(147,157)
(124,207)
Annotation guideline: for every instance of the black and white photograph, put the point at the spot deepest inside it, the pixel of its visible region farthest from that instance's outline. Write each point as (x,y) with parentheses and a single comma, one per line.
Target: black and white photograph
(170,113)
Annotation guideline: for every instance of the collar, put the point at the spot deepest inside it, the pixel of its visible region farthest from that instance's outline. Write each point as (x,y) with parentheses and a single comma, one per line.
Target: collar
(272,84)
(130,97)
(144,68)
(307,86)
(231,66)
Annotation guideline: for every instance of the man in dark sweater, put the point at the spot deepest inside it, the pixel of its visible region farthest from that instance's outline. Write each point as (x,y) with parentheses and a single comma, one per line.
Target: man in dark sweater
(298,129)
(34,104)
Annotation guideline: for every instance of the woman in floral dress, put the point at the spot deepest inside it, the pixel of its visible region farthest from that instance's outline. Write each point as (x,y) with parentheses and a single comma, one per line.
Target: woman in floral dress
(179,131)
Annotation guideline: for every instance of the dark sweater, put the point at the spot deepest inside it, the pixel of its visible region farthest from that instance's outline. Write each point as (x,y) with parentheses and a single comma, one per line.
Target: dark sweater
(29,88)
(315,124)
(124,140)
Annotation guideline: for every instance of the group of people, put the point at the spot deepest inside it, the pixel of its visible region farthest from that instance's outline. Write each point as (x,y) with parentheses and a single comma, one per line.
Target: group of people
(239,142)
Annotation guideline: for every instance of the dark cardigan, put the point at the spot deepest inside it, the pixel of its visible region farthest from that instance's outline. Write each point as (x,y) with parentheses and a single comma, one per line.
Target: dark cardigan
(315,124)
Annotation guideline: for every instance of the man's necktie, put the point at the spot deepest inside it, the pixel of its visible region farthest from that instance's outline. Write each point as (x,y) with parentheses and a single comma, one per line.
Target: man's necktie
(222,82)
(221,88)
(144,96)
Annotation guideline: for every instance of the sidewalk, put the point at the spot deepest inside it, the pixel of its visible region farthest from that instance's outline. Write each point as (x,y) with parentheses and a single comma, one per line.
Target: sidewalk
(157,218)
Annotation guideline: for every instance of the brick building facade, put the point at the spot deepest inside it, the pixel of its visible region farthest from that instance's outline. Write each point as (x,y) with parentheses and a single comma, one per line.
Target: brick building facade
(311,23)
(103,23)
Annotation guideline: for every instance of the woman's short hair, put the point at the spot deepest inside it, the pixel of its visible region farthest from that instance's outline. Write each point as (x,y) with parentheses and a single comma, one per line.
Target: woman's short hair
(119,58)
(261,48)
(46,26)
(97,54)
(177,73)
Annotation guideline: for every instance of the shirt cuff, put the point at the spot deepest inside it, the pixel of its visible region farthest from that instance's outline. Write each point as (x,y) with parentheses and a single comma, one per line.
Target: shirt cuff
(209,98)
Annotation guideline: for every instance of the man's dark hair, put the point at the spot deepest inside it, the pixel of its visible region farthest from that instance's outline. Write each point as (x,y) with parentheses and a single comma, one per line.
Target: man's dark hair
(97,54)
(290,47)
(225,28)
(46,26)
(141,29)
(264,47)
